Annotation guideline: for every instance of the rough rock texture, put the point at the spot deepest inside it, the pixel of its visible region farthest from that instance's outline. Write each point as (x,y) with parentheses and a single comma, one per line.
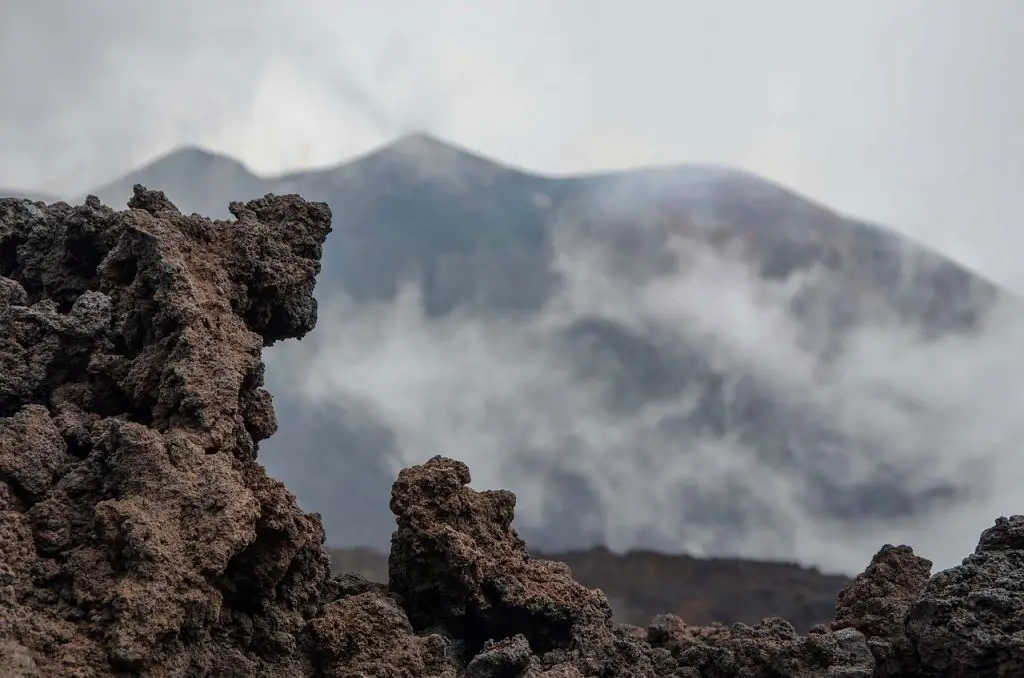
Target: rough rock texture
(877,602)
(969,620)
(140,537)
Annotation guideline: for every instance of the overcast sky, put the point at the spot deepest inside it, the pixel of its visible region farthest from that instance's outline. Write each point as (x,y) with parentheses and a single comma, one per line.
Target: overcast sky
(903,111)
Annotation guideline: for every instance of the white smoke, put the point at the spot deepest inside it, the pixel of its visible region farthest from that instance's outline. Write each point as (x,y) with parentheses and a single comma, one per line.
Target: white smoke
(500,395)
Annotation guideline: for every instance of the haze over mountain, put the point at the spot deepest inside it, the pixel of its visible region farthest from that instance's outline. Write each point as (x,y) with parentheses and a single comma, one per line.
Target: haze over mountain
(31,195)
(682,358)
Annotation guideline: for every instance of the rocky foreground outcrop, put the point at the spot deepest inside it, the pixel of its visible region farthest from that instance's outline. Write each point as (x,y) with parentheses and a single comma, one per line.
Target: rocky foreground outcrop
(140,537)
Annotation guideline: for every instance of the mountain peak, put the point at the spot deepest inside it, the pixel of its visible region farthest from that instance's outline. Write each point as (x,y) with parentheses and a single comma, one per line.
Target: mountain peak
(426,155)
(420,141)
(194,178)
(425,147)
(196,158)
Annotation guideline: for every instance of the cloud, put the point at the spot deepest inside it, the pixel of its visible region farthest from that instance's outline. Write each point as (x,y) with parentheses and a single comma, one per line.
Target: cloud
(613,148)
(104,88)
(505,396)
(778,155)
(286,105)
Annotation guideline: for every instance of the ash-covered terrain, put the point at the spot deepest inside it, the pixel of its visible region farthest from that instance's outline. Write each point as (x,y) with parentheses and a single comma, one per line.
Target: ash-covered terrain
(140,536)
(689,359)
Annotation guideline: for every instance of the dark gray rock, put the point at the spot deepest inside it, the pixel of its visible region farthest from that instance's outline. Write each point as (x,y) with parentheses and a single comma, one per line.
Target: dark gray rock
(969,619)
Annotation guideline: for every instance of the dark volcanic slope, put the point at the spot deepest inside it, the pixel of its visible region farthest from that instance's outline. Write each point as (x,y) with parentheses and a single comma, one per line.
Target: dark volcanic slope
(501,255)
(641,585)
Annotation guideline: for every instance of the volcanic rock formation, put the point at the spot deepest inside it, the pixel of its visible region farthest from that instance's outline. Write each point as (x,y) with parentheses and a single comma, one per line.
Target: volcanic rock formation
(140,537)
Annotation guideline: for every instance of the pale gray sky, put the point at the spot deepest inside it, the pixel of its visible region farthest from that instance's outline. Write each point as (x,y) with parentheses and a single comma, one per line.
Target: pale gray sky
(903,111)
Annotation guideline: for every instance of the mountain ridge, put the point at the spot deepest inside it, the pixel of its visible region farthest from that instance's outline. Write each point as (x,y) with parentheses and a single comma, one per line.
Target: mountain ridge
(417,143)
(183,159)
(189,171)
(491,251)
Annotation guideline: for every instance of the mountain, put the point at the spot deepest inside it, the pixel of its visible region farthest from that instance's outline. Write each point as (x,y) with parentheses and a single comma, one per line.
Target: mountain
(688,342)
(422,205)
(204,177)
(31,195)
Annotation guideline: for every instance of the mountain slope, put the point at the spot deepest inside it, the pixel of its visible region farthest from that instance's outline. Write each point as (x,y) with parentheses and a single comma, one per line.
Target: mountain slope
(31,195)
(694,336)
(199,177)
(700,591)
(420,205)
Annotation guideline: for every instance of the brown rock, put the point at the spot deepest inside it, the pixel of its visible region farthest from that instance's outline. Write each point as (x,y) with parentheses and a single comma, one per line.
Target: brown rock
(458,565)
(138,535)
(876,604)
(371,632)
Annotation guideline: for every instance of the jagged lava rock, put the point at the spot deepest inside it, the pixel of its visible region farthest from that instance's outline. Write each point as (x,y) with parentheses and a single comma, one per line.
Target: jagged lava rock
(876,604)
(969,619)
(458,565)
(460,568)
(140,537)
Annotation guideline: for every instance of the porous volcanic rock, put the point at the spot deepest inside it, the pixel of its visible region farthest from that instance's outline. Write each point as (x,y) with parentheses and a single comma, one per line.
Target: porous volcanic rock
(969,620)
(140,537)
(877,601)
